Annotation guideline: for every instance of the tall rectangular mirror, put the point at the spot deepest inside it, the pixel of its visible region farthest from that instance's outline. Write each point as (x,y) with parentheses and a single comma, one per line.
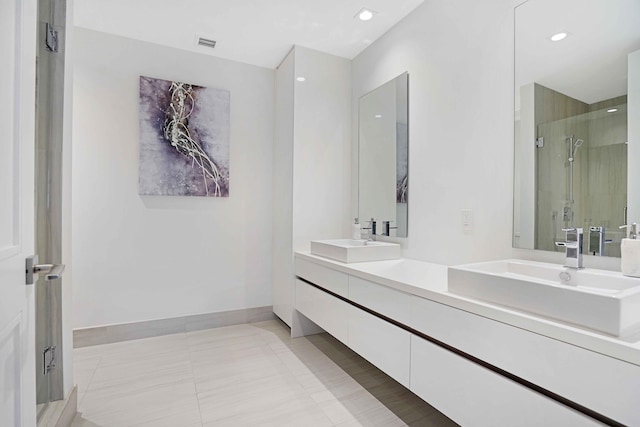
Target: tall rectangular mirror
(574,65)
(383,157)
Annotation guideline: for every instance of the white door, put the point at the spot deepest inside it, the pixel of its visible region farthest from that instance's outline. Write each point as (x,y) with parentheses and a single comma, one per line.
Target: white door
(17,123)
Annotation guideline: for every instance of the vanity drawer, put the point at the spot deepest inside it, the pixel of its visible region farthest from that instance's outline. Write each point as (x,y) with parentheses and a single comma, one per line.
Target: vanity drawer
(327,311)
(331,280)
(601,383)
(381,299)
(470,394)
(381,343)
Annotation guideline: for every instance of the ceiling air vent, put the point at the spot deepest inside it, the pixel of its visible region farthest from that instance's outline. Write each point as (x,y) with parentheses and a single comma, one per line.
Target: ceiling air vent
(206,42)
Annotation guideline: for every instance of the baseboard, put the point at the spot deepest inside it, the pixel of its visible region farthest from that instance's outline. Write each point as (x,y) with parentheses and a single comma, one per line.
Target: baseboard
(152,328)
(60,413)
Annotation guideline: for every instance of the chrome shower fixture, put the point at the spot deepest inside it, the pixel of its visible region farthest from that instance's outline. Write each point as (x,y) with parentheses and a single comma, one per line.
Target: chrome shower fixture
(573,148)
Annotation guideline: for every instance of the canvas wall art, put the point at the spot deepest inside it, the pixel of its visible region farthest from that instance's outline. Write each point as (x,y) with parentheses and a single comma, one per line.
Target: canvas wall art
(184,139)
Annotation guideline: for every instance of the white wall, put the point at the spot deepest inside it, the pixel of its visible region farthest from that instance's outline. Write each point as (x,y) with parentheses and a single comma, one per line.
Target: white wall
(633,153)
(283,189)
(322,144)
(311,163)
(459,55)
(140,258)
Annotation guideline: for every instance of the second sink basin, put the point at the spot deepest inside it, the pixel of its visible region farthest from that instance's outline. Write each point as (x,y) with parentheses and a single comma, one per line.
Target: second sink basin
(350,250)
(605,301)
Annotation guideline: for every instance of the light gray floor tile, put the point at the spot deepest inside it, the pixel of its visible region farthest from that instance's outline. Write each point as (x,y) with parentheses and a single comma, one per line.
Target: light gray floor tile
(161,369)
(81,421)
(242,375)
(379,416)
(113,407)
(294,412)
(135,350)
(83,369)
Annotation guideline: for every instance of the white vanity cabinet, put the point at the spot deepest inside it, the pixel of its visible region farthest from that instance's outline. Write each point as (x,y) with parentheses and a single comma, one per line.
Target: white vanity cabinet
(334,281)
(472,395)
(476,370)
(604,384)
(388,302)
(381,343)
(327,311)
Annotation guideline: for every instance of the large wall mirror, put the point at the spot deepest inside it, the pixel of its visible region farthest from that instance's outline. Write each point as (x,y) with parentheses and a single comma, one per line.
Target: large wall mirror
(383,163)
(577,63)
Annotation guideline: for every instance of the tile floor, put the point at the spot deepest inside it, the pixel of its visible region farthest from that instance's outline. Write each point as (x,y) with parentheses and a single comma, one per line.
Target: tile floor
(244,375)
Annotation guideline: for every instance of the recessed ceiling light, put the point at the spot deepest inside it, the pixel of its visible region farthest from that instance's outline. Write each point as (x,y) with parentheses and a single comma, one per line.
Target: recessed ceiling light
(612,110)
(378,116)
(559,36)
(300,79)
(365,14)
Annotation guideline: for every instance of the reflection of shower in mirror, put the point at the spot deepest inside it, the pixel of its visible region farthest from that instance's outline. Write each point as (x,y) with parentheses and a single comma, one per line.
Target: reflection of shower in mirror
(573,147)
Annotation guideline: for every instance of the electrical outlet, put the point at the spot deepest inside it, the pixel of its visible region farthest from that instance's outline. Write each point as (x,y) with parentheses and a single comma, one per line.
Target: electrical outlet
(467,220)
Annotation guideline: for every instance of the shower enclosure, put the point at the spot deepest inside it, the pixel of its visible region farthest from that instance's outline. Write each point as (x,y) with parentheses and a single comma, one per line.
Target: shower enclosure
(48,209)
(581,170)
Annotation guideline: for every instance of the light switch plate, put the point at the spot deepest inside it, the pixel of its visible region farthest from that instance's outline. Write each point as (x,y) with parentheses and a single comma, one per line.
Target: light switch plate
(467,220)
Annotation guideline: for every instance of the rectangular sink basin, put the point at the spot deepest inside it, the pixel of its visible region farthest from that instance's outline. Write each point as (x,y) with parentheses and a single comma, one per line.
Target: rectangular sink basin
(350,250)
(604,301)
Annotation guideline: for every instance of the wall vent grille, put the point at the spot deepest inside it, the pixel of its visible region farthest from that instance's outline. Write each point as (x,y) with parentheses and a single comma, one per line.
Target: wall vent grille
(206,42)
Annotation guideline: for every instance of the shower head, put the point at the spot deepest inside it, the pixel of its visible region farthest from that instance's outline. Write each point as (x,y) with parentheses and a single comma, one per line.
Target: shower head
(573,148)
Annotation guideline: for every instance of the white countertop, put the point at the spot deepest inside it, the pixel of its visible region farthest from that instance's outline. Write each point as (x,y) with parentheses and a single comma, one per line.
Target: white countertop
(429,281)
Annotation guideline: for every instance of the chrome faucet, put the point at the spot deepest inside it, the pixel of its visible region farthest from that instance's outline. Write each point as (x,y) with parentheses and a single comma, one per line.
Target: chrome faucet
(597,240)
(386,227)
(372,229)
(573,247)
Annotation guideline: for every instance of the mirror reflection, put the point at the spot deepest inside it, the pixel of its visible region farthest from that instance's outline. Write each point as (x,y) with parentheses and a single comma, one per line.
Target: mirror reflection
(383,149)
(571,126)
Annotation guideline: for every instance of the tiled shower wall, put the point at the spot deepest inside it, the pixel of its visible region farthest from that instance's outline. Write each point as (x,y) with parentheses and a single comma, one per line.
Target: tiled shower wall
(600,169)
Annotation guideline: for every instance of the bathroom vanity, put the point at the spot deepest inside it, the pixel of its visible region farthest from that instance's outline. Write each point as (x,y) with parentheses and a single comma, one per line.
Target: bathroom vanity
(478,363)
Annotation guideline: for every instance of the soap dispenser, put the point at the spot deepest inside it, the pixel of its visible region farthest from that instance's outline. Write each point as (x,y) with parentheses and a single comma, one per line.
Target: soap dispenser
(356,230)
(630,251)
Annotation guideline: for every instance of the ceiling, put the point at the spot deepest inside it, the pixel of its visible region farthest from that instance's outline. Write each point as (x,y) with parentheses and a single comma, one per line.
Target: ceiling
(257,32)
(591,63)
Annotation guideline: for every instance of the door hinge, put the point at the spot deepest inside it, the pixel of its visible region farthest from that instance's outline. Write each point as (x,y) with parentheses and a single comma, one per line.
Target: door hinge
(51,40)
(540,142)
(48,359)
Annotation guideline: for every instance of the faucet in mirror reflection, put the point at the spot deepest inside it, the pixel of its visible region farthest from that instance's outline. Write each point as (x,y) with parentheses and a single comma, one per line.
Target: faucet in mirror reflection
(371,230)
(573,247)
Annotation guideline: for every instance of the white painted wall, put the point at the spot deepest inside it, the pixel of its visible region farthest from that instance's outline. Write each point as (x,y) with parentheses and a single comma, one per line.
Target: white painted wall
(633,150)
(140,258)
(459,55)
(311,161)
(283,189)
(322,126)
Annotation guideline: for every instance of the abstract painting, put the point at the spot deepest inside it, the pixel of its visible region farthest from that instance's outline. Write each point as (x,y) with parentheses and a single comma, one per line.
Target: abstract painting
(402,163)
(184,139)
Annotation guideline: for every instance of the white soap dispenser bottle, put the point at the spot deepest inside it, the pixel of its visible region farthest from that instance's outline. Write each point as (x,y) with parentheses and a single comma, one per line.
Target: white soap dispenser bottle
(630,252)
(355,234)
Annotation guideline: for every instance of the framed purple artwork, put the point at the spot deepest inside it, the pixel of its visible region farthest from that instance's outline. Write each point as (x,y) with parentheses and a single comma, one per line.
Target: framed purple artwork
(184,139)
